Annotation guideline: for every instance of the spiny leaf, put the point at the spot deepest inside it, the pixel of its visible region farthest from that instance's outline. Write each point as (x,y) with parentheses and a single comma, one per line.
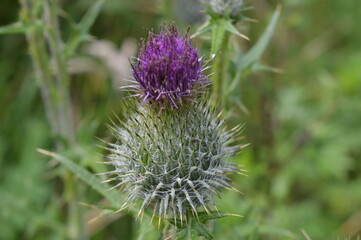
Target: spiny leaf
(203,29)
(232,29)
(203,217)
(256,51)
(187,233)
(202,230)
(113,196)
(192,230)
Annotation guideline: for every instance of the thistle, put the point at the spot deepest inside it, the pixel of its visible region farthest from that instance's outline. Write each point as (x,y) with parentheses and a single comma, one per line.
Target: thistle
(168,69)
(173,160)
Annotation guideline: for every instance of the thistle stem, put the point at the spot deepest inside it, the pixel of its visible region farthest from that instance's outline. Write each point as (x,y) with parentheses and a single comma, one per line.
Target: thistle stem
(45,48)
(219,78)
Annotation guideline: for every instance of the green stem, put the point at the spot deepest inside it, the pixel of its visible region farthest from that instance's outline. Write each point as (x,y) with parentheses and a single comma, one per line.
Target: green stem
(219,77)
(61,76)
(75,221)
(40,62)
(45,47)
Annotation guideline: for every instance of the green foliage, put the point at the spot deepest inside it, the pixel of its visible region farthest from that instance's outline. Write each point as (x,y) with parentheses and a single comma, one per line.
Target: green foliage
(192,230)
(304,124)
(251,58)
(15,28)
(112,195)
(80,32)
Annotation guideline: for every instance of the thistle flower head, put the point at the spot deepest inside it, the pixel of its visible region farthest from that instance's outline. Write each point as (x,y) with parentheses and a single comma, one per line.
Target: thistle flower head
(173,163)
(168,69)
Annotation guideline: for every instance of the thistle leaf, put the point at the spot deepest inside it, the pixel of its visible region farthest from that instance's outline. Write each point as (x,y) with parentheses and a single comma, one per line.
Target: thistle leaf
(253,55)
(258,49)
(113,196)
(206,27)
(232,29)
(193,230)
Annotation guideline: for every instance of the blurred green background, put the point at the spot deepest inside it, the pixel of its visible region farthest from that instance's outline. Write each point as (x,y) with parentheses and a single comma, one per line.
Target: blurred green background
(304,124)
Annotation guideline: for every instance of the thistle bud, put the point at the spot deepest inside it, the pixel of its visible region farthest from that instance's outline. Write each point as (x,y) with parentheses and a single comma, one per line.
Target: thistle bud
(168,69)
(223,7)
(174,162)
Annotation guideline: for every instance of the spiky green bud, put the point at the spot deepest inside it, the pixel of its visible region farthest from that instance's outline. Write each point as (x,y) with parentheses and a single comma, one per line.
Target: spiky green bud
(173,161)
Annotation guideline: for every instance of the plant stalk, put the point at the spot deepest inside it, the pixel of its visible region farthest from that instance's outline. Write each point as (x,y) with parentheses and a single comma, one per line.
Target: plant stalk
(45,48)
(220,76)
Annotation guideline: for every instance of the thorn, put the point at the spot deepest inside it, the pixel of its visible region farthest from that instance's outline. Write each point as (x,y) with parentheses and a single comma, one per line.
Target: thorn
(120,209)
(305,234)
(159,222)
(234,215)
(45,152)
(244,36)
(250,19)
(86,204)
(94,219)
(139,214)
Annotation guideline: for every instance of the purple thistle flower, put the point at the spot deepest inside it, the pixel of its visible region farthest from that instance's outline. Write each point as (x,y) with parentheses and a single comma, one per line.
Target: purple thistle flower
(168,69)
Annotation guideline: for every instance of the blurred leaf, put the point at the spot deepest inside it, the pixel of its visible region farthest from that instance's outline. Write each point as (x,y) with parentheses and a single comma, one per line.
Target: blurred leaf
(232,29)
(255,230)
(187,233)
(182,234)
(261,67)
(194,229)
(15,28)
(113,196)
(203,217)
(146,231)
(15,205)
(266,229)
(254,54)
(203,29)
(202,230)
(89,18)
(81,33)
(257,50)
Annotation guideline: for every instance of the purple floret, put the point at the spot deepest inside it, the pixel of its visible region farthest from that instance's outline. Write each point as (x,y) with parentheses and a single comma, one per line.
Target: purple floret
(168,69)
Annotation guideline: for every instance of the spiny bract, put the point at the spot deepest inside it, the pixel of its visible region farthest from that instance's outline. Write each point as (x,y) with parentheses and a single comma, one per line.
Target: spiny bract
(168,68)
(174,161)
